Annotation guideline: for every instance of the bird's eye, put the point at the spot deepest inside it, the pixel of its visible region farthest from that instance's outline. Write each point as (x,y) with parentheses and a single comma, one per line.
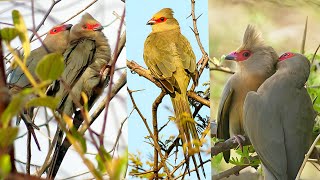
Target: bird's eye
(246,54)
(54,30)
(162,18)
(85,27)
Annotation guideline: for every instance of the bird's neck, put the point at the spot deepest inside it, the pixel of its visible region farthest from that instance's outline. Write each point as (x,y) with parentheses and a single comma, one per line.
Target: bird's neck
(165,28)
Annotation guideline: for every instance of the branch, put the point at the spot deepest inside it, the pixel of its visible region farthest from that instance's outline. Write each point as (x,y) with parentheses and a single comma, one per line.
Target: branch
(234,170)
(198,98)
(227,145)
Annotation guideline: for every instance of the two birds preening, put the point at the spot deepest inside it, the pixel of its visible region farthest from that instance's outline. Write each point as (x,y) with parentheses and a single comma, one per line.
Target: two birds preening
(86,53)
(267,101)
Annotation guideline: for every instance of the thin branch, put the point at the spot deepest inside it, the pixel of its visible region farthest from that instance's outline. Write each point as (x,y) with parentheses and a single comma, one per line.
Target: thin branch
(228,144)
(198,98)
(307,156)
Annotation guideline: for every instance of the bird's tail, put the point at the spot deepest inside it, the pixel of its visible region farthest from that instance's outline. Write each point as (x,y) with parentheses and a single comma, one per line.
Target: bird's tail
(187,129)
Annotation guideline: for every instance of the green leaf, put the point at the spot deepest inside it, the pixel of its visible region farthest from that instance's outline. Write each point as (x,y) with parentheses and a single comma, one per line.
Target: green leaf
(17,103)
(8,34)
(79,137)
(5,165)
(7,136)
(23,32)
(50,102)
(50,67)
(102,161)
(216,161)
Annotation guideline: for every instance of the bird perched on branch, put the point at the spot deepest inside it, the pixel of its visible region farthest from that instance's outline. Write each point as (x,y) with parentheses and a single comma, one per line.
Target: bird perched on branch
(279,118)
(89,52)
(56,41)
(171,60)
(256,62)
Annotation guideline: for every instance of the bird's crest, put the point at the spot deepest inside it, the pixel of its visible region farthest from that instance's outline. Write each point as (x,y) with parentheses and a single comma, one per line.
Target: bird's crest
(165,12)
(252,38)
(88,19)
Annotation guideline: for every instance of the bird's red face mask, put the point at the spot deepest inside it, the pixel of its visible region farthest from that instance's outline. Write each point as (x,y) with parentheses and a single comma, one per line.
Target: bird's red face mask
(239,56)
(157,20)
(286,55)
(92,27)
(61,28)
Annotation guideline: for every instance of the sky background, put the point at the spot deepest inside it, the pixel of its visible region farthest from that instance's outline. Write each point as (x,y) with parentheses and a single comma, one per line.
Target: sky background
(103,12)
(137,32)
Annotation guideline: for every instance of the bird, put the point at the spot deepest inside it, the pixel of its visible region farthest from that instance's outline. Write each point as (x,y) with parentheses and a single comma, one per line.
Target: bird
(56,41)
(88,53)
(279,118)
(256,62)
(170,59)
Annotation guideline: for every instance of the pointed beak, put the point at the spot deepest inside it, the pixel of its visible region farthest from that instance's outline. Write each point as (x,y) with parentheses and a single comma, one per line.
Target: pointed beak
(98,28)
(151,22)
(68,26)
(231,56)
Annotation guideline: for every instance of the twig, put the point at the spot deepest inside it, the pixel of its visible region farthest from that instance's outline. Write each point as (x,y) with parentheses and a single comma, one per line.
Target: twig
(304,37)
(307,156)
(314,55)
(227,145)
(233,170)
(115,58)
(155,129)
(198,98)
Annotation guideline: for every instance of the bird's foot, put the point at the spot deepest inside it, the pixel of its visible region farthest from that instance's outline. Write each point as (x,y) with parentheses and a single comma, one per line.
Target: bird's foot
(239,139)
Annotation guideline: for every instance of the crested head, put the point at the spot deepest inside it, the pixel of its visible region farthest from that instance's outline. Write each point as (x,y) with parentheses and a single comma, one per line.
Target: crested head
(252,39)
(163,20)
(88,27)
(57,38)
(253,56)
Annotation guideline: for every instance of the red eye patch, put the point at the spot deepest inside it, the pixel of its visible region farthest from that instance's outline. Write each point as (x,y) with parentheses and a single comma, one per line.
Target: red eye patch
(286,55)
(55,30)
(243,55)
(160,20)
(91,26)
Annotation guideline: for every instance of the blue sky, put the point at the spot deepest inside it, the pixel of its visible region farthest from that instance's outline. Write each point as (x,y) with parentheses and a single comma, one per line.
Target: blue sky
(137,31)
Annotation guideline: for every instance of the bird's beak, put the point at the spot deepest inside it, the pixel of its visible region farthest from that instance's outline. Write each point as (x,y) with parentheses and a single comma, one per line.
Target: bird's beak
(68,26)
(98,28)
(231,56)
(151,22)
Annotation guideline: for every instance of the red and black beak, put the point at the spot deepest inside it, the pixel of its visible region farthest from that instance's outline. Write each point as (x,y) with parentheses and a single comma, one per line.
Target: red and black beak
(231,56)
(151,22)
(68,26)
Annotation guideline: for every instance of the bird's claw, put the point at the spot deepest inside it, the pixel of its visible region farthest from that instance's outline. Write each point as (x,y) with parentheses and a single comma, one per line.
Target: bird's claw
(237,139)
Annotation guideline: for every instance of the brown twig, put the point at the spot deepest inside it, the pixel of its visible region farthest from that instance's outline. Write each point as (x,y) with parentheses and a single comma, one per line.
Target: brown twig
(155,129)
(227,145)
(115,58)
(198,98)
(233,170)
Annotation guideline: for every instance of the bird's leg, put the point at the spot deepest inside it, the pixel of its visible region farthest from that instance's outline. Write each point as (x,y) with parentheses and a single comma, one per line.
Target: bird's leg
(239,139)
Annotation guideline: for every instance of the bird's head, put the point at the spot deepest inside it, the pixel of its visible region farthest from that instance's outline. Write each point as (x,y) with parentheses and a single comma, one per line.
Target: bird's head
(88,27)
(294,63)
(253,52)
(163,21)
(57,38)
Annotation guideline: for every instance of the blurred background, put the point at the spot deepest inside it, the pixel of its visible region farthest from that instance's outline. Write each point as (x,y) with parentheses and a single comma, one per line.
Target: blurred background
(281,24)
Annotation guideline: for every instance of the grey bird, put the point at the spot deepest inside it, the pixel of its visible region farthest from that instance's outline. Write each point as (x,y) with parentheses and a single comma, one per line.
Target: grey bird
(256,62)
(279,118)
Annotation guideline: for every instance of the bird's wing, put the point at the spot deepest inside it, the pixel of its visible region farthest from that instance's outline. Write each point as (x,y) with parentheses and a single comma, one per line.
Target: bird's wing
(223,116)
(77,58)
(187,57)
(298,132)
(263,125)
(159,58)
(17,76)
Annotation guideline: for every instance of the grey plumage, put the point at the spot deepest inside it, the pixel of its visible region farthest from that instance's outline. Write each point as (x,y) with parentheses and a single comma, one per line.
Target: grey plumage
(279,118)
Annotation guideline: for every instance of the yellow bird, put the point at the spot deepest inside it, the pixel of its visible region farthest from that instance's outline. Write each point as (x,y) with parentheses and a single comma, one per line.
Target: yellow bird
(171,60)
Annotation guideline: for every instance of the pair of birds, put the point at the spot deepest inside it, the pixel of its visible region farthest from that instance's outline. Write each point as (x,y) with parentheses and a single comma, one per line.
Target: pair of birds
(86,52)
(266,100)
